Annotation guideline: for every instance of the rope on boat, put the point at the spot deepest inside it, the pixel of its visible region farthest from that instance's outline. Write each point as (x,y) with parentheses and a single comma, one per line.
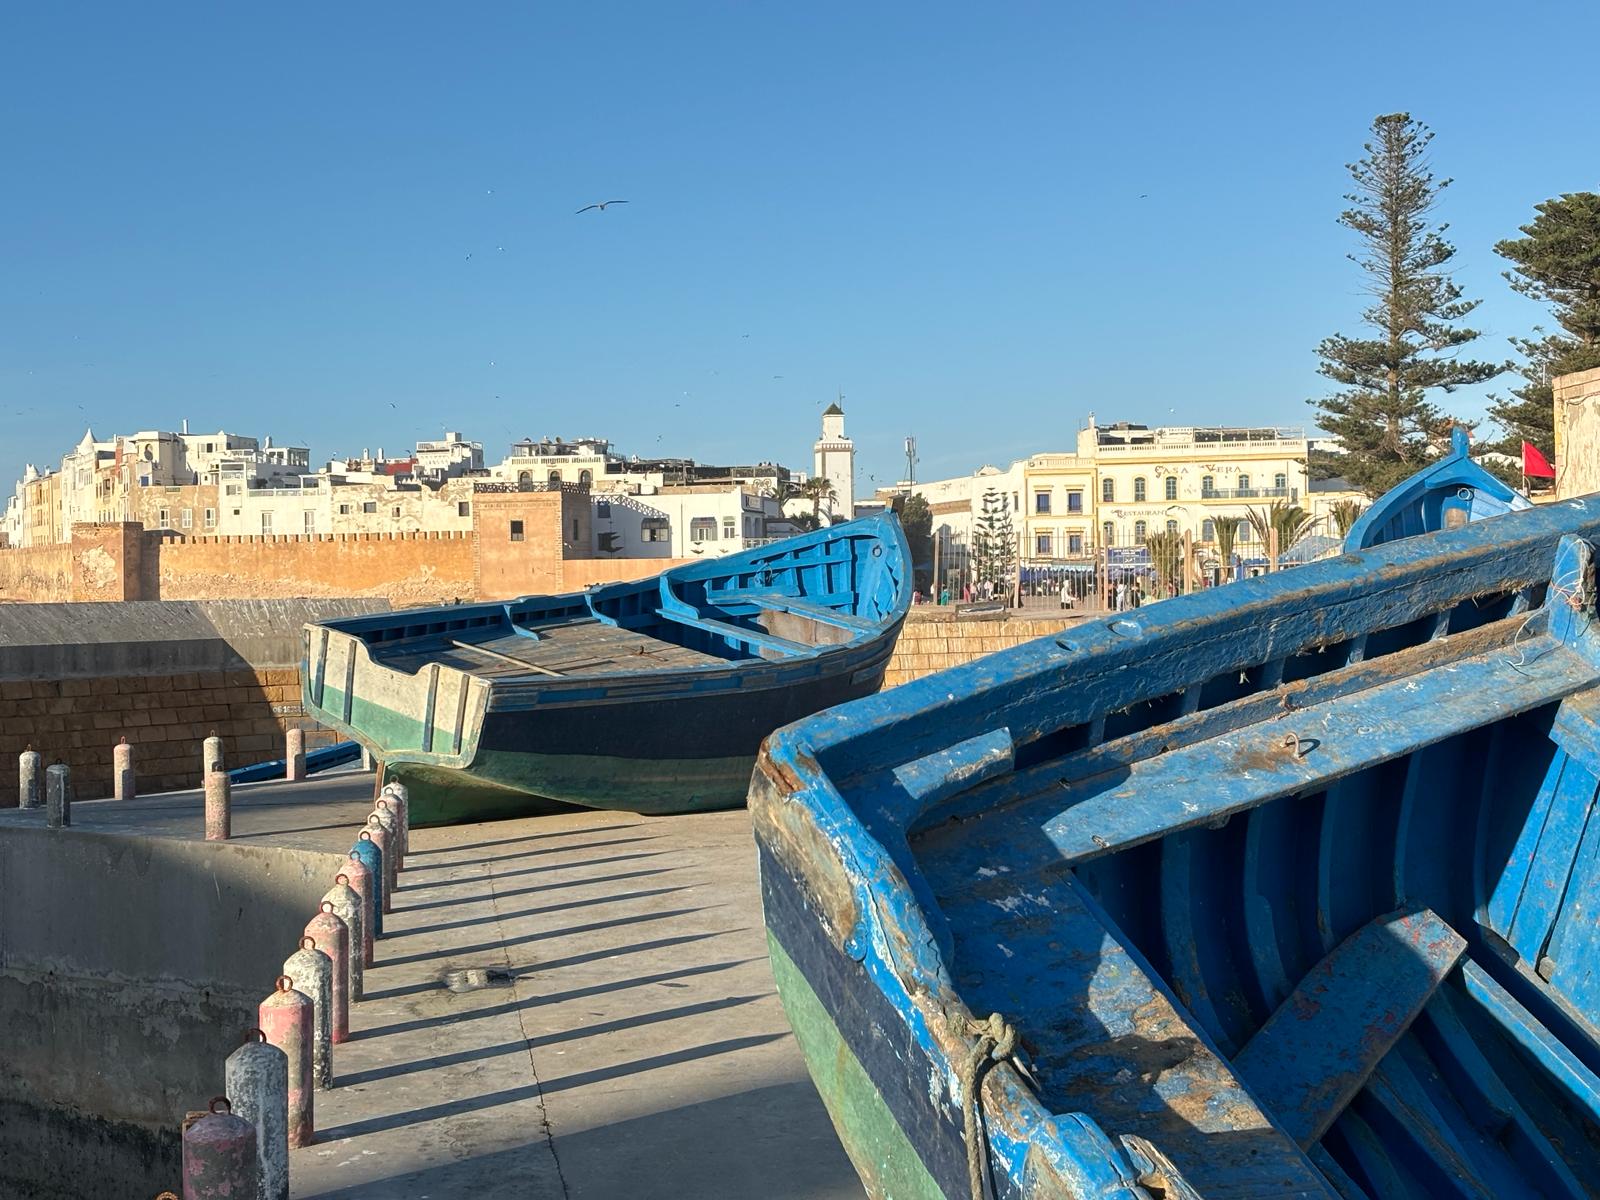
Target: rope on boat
(997,1041)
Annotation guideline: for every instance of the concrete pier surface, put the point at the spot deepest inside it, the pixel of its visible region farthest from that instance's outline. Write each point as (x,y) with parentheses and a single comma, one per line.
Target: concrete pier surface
(572,1005)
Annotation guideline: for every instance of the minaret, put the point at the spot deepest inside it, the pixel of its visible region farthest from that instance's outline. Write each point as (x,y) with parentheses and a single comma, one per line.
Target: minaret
(834,459)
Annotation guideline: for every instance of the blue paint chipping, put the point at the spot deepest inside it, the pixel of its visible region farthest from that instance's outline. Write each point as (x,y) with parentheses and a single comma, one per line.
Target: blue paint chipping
(1333,930)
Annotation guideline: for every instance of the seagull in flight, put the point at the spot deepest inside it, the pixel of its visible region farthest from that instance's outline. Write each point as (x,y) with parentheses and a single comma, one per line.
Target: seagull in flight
(601,206)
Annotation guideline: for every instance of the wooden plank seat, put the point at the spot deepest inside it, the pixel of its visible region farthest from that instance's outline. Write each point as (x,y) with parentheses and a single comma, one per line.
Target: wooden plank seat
(799,606)
(1321,1045)
(762,640)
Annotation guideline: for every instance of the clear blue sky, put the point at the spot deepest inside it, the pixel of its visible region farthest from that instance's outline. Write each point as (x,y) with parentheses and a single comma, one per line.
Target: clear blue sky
(261,216)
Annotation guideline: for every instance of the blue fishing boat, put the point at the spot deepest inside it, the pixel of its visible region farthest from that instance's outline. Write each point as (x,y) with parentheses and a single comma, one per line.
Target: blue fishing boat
(650,696)
(1288,888)
(1444,495)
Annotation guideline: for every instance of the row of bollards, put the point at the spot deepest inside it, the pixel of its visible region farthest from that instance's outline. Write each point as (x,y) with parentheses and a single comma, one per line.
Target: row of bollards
(35,780)
(240,1148)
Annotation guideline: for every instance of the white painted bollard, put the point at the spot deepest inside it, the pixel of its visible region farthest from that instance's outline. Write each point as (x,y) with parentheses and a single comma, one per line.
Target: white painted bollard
(294,760)
(210,755)
(30,779)
(256,1079)
(122,781)
(401,799)
(383,813)
(219,807)
(312,974)
(58,795)
(347,907)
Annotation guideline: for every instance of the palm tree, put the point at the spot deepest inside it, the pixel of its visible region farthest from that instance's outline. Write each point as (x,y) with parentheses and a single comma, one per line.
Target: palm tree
(1344,514)
(1166,556)
(819,488)
(1290,521)
(1227,531)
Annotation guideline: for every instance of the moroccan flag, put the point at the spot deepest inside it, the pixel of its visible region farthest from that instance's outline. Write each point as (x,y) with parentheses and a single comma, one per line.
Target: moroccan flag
(1534,464)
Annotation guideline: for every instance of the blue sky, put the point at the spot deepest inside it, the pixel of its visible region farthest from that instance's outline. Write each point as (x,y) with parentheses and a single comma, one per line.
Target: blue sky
(354,224)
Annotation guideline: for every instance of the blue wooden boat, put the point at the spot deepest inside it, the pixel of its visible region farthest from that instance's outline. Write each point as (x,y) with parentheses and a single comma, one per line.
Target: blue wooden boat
(1288,888)
(650,696)
(1449,493)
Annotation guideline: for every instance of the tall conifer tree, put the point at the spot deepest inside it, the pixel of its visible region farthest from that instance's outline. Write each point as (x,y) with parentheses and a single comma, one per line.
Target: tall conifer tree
(1383,414)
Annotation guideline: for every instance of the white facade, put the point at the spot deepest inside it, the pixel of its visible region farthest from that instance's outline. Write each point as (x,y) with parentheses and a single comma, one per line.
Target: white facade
(834,459)
(449,457)
(711,520)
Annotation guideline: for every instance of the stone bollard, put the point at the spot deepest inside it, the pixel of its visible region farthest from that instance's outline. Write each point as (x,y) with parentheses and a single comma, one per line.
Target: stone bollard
(210,755)
(288,1019)
(219,1156)
(372,858)
(256,1078)
(294,759)
(122,782)
(58,795)
(219,807)
(359,877)
(347,907)
(30,779)
(332,937)
(312,972)
(397,805)
(383,815)
(379,836)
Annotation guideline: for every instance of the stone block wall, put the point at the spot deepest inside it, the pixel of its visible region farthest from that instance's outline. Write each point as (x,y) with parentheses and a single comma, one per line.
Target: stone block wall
(164,717)
(935,641)
(37,574)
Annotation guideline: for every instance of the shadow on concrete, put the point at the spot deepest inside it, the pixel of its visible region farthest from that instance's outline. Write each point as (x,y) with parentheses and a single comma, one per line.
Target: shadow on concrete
(542,936)
(565,906)
(532,1091)
(665,978)
(549,1039)
(528,891)
(555,866)
(494,858)
(516,841)
(241,837)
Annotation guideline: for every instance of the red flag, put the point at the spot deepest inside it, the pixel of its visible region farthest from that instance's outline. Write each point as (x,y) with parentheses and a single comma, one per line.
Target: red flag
(1534,464)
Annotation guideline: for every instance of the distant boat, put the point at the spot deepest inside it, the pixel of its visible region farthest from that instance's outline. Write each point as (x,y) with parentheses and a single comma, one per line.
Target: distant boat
(1444,495)
(1288,888)
(650,696)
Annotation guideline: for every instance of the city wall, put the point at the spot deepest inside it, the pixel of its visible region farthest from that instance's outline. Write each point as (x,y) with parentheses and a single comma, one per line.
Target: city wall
(935,639)
(75,678)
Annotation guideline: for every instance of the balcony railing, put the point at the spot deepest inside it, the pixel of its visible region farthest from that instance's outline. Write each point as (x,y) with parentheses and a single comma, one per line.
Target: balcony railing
(1267,493)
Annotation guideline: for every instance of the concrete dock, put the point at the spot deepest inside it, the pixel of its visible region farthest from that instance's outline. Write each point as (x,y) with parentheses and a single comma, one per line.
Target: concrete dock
(574,1005)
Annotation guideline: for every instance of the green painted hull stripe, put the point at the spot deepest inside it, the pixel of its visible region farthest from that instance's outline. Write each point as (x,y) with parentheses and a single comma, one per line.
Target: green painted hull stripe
(883,1155)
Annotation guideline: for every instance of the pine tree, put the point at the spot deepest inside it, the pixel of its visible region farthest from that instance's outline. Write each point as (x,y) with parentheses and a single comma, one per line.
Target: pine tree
(1557,262)
(1383,416)
(994,542)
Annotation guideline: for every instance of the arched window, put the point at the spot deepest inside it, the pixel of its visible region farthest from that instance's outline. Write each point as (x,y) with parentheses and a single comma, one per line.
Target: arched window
(1172,487)
(1208,530)
(585,477)
(1138,488)
(1107,533)
(1280,480)
(524,481)
(555,477)
(1108,490)
(1172,527)
(1140,530)
(1208,484)
(1244,483)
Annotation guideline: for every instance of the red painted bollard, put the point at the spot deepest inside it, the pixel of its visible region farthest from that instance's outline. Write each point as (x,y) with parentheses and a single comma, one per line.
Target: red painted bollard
(294,759)
(333,939)
(219,807)
(122,781)
(379,837)
(347,907)
(219,1156)
(286,1019)
(360,881)
(312,972)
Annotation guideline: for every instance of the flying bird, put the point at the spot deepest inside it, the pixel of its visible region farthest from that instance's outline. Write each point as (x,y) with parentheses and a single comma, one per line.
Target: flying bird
(601,206)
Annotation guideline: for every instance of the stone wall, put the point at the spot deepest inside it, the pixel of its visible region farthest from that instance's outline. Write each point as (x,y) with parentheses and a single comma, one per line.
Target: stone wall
(403,568)
(39,574)
(1577,400)
(75,678)
(934,640)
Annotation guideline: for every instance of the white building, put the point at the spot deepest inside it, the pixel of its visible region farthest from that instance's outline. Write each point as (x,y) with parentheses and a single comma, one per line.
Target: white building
(834,459)
(449,457)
